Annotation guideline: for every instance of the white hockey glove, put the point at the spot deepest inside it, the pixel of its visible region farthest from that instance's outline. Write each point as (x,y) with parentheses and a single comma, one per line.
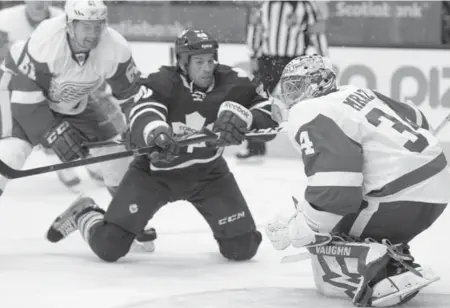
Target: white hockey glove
(233,122)
(278,233)
(294,230)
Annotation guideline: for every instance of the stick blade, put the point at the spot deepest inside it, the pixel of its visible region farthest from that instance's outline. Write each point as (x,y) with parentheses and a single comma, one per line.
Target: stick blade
(7,171)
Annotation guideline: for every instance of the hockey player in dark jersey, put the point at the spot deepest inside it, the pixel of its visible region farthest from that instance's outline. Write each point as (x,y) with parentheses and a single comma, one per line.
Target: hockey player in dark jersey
(197,92)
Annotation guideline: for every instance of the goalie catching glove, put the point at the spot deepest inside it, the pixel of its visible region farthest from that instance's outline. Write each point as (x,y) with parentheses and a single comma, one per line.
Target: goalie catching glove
(233,122)
(159,134)
(66,142)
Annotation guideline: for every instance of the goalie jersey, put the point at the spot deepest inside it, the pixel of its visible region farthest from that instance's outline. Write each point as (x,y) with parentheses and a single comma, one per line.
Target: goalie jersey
(358,144)
(47,77)
(167,96)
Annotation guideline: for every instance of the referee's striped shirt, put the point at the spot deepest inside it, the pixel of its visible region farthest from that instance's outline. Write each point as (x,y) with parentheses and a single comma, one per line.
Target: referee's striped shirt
(285,29)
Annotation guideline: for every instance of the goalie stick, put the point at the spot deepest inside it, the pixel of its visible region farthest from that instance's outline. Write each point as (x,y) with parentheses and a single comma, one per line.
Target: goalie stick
(441,125)
(203,135)
(438,128)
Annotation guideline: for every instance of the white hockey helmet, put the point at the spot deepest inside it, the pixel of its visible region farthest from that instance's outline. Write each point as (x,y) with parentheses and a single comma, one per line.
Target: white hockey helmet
(86,10)
(303,78)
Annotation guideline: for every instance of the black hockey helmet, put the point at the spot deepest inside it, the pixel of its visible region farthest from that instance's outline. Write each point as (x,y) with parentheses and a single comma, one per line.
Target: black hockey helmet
(195,42)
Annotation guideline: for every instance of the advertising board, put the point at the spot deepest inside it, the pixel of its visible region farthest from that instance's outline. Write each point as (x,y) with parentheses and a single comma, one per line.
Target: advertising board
(418,75)
(384,23)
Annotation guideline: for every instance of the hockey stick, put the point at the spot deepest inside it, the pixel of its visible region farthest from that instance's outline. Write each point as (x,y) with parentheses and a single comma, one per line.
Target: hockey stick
(253,135)
(203,135)
(10,173)
(441,125)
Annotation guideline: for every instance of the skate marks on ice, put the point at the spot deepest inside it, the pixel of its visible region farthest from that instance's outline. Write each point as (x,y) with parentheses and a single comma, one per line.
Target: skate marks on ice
(268,297)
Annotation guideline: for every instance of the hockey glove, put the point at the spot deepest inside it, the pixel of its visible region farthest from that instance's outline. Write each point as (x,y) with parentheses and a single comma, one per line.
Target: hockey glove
(233,122)
(167,148)
(66,142)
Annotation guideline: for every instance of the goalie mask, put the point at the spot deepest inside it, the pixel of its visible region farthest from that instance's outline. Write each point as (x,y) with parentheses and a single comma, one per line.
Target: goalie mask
(303,78)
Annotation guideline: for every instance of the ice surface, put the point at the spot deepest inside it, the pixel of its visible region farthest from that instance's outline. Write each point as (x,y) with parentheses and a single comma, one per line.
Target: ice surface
(186,270)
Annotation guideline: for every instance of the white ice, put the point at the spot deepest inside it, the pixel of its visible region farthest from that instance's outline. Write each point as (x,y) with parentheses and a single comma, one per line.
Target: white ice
(35,273)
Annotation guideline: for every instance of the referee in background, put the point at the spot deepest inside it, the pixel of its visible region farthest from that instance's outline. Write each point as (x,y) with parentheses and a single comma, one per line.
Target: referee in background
(279,31)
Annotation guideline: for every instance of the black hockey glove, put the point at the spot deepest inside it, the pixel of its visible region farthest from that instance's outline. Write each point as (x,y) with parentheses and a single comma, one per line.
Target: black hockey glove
(66,142)
(167,147)
(233,122)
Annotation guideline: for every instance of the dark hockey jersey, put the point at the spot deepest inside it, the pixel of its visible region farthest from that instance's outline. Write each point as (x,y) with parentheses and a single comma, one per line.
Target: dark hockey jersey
(167,96)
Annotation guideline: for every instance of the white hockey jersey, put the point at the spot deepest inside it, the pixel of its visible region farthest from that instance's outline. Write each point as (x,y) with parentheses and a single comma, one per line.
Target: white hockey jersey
(48,75)
(357,145)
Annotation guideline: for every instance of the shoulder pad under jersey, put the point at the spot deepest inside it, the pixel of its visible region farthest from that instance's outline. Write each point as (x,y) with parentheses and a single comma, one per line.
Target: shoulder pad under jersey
(46,38)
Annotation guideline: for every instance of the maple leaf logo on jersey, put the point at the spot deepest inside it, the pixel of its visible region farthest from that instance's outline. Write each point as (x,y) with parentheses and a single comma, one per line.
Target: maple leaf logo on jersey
(194,122)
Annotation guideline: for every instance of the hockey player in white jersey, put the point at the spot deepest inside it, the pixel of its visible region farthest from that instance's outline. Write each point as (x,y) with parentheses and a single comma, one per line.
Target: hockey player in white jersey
(17,23)
(376,178)
(51,77)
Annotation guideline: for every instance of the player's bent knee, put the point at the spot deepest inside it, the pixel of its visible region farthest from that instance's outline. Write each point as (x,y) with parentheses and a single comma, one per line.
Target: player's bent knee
(242,247)
(110,242)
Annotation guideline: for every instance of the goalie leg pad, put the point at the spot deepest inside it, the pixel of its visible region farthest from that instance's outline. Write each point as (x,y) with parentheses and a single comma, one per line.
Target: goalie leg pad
(242,247)
(341,267)
(319,221)
(401,288)
(362,272)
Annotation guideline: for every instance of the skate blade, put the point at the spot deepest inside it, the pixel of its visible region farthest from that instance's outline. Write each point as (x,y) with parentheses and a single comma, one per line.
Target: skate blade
(146,247)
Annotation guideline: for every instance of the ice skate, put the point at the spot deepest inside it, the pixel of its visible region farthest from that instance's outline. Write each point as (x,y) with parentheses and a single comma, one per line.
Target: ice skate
(66,223)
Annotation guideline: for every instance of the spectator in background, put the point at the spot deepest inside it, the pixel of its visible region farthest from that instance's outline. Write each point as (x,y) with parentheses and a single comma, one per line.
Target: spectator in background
(279,31)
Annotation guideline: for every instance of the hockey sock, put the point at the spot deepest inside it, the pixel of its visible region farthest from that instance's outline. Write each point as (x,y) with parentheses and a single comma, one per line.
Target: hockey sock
(88,220)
